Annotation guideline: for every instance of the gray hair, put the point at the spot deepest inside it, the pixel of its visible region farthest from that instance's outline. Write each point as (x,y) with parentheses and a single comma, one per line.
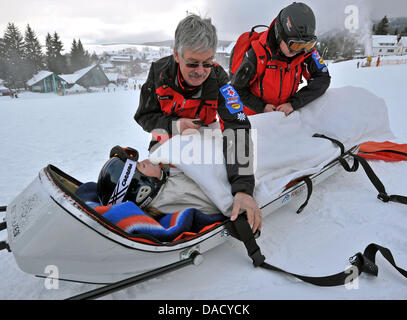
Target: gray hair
(196,34)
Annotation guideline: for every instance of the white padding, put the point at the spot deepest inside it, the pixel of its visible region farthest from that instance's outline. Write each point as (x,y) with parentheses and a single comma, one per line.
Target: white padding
(284,146)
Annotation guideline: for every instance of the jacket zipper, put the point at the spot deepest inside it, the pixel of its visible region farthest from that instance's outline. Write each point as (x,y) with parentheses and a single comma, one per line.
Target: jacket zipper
(281,82)
(261,85)
(295,80)
(173,107)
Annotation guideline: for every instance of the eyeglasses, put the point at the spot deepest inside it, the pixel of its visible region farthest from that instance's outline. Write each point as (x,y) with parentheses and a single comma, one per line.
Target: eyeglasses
(194,65)
(301,45)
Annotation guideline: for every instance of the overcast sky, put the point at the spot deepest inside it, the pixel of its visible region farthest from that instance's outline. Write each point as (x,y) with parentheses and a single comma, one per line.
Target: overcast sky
(136,21)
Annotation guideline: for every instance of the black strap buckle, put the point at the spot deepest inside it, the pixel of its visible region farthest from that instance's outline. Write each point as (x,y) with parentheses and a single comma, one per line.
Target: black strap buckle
(258,258)
(364,264)
(383,197)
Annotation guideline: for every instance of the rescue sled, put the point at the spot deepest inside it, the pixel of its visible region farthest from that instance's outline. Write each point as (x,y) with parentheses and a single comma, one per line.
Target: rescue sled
(48,225)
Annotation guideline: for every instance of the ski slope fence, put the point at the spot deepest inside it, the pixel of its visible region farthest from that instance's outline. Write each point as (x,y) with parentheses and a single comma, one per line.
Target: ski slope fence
(392,61)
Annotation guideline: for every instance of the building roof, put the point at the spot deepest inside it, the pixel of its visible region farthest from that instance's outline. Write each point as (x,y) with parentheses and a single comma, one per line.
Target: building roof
(112,76)
(403,41)
(227,49)
(121,59)
(384,41)
(38,77)
(74,77)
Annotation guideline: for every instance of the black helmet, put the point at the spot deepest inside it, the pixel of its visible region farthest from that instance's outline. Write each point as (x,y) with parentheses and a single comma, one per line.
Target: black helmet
(119,180)
(296,23)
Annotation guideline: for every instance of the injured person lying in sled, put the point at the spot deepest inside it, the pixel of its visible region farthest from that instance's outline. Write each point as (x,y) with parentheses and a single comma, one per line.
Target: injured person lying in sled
(142,197)
(290,152)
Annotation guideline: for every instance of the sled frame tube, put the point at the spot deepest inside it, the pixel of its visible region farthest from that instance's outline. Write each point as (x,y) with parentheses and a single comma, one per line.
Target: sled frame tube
(120,285)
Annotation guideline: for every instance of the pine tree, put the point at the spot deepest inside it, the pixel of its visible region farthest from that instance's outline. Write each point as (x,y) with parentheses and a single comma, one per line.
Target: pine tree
(61,65)
(74,63)
(33,52)
(13,56)
(94,58)
(2,60)
(79,57)
(56,62)
(50,56)
(383,27)
(84,57)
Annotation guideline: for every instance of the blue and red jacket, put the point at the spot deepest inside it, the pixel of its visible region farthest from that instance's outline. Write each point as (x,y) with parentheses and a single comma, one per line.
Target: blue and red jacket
(165,98)
(266,76)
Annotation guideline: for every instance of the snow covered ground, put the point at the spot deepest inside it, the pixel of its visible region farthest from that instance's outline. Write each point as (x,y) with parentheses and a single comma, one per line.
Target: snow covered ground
(76,132)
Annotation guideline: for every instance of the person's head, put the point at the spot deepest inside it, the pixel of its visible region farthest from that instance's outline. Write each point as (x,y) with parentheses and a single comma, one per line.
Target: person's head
(130,180)
(295,29)
(194,48)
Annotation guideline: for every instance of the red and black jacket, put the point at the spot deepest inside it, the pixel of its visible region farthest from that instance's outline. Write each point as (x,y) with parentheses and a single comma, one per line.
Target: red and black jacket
(165,98)
(266,76)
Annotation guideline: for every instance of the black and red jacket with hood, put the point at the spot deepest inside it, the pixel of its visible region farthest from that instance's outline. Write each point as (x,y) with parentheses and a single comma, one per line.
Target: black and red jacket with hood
(165,98)
(266,76)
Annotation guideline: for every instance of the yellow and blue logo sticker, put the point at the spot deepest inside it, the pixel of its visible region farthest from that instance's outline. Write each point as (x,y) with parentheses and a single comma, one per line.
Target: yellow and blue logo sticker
(319,61)
(232,99)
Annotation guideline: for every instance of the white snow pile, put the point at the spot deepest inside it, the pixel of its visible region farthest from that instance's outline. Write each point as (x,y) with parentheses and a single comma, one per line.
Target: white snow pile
(75,133)
(76,88)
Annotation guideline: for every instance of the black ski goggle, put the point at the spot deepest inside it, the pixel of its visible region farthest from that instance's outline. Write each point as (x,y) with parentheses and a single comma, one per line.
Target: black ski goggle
(296,46)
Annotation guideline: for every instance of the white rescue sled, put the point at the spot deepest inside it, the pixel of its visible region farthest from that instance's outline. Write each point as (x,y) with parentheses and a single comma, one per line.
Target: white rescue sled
(48,225)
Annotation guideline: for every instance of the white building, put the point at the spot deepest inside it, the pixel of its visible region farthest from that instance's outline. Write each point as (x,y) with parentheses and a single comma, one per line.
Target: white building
(384,45)
(222,55)
(402,46)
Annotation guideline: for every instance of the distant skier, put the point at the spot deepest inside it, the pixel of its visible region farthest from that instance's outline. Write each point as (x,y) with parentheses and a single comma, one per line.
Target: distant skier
(369,61)
(182,92)
(287,53)
(378,61)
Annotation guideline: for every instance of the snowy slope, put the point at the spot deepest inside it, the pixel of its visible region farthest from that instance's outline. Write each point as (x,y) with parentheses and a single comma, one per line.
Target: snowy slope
(75,133)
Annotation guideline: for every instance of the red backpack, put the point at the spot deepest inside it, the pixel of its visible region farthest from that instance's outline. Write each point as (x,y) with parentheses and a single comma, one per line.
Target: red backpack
(242,45)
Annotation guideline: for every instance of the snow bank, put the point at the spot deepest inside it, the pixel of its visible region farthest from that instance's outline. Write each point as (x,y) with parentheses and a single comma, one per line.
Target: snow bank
(76,88)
